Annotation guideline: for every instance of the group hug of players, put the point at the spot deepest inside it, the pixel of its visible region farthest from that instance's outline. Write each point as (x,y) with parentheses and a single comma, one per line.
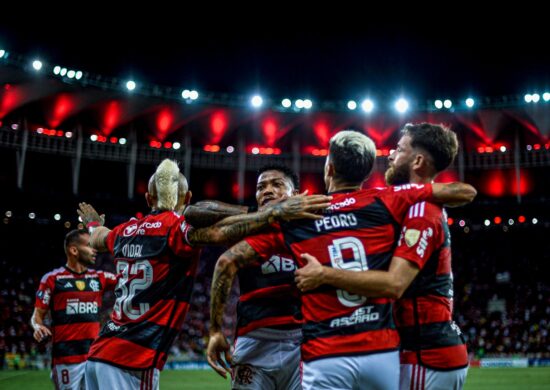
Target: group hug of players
(349,290)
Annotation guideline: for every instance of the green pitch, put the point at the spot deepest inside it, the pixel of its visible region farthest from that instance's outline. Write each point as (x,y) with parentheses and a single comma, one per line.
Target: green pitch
(478,379)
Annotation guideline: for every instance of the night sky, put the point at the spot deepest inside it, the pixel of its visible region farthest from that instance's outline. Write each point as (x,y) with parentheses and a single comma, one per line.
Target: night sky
(339,55)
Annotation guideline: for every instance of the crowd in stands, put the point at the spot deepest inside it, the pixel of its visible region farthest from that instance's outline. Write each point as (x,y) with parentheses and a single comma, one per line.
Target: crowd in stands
(501,297)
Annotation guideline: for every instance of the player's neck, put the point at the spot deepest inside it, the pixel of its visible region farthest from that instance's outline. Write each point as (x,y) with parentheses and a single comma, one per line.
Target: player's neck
(75,266)
(336,186)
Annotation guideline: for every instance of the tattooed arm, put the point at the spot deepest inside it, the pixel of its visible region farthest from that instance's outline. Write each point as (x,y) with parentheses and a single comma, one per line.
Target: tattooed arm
(233,229)
(208,212)
(238,256)
(453,194)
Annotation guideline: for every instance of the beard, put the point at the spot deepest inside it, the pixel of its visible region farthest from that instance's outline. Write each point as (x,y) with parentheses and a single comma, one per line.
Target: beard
(397,175)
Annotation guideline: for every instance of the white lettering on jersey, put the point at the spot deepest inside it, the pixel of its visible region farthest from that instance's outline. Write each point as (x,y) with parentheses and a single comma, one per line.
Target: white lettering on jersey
(74,306)
(423,243)
(278,264)
(359,316)
(336,221)
(129,230)
(132,250)
(344,203)
(407,187)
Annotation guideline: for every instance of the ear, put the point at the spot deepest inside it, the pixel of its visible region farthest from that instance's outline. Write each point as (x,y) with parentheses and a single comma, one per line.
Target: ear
(419,162)
(151,200)
(188,196)
(73,250)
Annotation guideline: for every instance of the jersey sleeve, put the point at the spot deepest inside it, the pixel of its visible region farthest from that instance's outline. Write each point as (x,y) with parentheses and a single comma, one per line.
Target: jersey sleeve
(398,199)
(268,242)
(419,234)
(44,292)
(177,238)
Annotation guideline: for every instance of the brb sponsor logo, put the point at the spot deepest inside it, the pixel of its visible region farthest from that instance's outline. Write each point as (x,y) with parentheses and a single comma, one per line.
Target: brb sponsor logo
(141,229)
(278,264)
(74,306)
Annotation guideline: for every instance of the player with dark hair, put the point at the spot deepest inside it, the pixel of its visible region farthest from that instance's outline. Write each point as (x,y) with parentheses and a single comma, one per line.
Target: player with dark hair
(156,259)
(73,295)
(267,347)
(349,342)
(433,350)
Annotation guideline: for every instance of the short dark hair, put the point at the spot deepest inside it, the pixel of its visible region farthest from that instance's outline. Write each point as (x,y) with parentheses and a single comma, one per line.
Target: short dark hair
(438,140)
(73,238)
(352,153)
(289,173)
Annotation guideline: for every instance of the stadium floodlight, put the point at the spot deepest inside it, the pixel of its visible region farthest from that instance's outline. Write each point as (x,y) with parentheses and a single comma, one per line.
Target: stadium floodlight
(32,215)
(2,53)
(176,145)
(186,94)
(438,104)
(56,69)
(308,104)
(401,105)
(193,95)
(299,103)
(352,105)
(447,103)
(256,101)
(63,72)
(286,103)
(528,98)
(122,141)
(131,85)
(78,75)
(535,97)
(546,96)
(367,105)
(57,217)
(470,102)
(71,73)
(37,65)
(93,137)
(230,149)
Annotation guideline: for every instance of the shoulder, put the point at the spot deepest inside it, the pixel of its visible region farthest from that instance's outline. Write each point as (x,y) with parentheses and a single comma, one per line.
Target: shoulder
(52,274)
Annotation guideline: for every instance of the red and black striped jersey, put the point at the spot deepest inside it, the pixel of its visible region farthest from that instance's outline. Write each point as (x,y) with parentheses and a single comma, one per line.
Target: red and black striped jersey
(74,301)
(358,233)
(156,270)
(268,297)
(423,315)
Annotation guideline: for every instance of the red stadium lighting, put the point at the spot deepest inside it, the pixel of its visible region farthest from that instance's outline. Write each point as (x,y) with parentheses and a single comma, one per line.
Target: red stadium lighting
(218,125)
(168,145)
(497,220)
(450,221)
(489,149)
(536,146)
(113,140)
(521,219)
(481,149)
(59,133)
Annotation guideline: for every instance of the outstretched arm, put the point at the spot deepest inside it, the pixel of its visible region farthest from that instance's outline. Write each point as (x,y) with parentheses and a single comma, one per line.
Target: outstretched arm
(238,256)
(208,212)
(233,229)
(372,283)
(453,194)
(94,222)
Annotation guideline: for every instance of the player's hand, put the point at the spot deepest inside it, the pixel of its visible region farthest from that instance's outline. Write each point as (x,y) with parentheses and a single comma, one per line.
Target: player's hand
(301,206)
(216,345)
(41,333)
(311,276)
(87,213)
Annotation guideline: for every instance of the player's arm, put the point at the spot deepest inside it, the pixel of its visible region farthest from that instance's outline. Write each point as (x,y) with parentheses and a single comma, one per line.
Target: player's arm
(238,256)
(235,228)
(371,283)
(94,222)
(453,194)
(208,212)
(41,331)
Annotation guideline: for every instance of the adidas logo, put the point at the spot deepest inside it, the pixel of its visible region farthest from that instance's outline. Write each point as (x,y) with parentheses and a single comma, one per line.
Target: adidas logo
(68,285)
